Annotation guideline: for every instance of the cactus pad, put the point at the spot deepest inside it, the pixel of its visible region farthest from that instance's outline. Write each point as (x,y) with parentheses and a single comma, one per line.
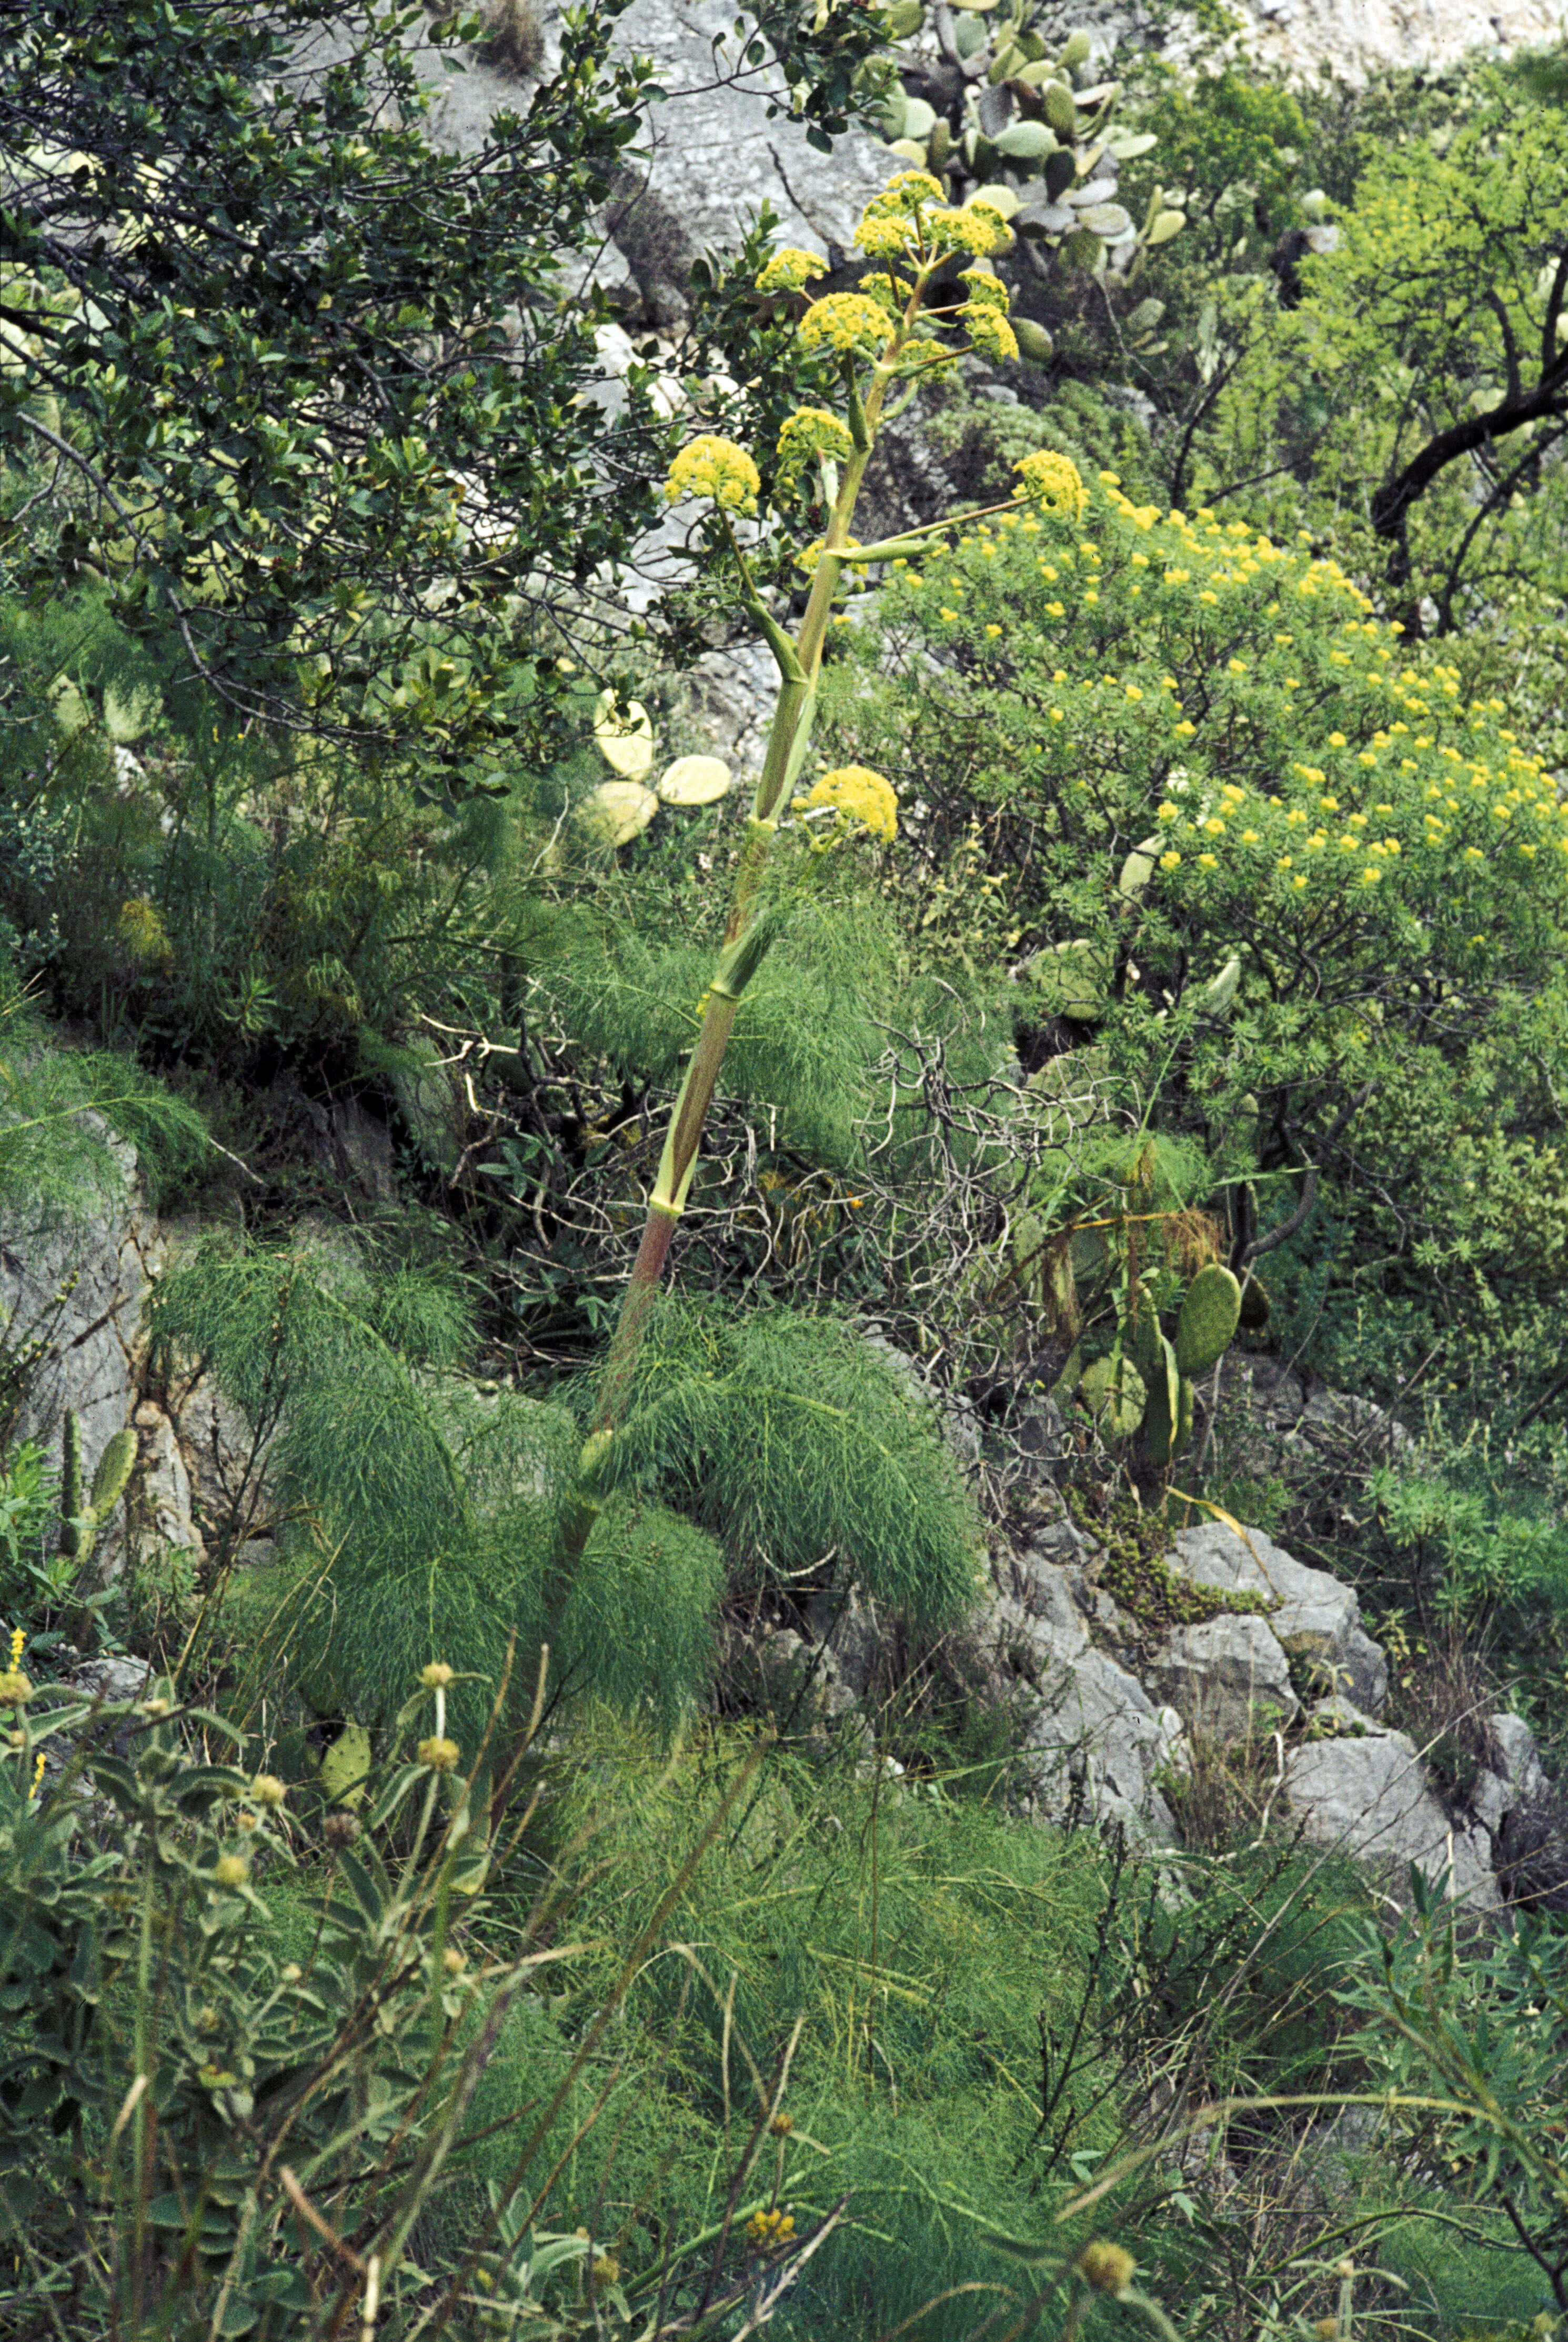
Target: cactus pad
(1210,1315)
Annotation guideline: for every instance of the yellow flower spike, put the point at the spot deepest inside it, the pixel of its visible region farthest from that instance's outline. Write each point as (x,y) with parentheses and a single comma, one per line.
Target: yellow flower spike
(861,796)
(715,469)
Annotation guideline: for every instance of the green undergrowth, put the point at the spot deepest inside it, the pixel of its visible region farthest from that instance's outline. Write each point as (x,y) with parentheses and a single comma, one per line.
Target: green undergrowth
(871,1967)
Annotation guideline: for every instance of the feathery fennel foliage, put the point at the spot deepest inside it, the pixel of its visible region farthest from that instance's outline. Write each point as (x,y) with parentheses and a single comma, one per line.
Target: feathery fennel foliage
(62,1110)
(803,1038)
(793,1440)
(420,1513)
(921,1944)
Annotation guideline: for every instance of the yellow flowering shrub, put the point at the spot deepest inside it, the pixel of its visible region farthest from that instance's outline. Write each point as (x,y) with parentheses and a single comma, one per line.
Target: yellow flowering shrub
(1183,743)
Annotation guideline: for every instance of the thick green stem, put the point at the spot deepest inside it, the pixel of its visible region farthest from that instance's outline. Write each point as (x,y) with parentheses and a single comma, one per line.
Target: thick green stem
(799,665)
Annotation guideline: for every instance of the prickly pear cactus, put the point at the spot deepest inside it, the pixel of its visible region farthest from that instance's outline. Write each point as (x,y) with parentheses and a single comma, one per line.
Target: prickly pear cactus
(112,1475)
(1208,1321)
(997,115)
(1115,1393)
(81,1521)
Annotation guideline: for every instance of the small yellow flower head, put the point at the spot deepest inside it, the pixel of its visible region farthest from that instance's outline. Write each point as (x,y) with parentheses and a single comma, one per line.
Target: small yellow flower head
(1106,2267)
(452,1960)
(1052,480)
(888,224)
(979,228)
(436,1675)
(291,1972)
(230,1871)
(990,334)
(15,1689)
(889,291)
(266,1789)
(1172,861)
(810,432)
(789,269)
(18,1645)
(862,797)
(986,290)
(442,1756)
(847,323)
(764,2229)
(717,469)
(604,2270)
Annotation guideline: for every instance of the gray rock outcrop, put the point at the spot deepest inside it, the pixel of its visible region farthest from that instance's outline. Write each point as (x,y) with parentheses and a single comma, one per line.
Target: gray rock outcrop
(75,1282)
(1315,1617)
(1366,1791)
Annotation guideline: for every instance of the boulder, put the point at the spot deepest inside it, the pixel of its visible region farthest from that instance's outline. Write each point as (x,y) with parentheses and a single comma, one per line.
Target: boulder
(1315,1617)
(1227,1677)
(1367,1793)
(1095,1742)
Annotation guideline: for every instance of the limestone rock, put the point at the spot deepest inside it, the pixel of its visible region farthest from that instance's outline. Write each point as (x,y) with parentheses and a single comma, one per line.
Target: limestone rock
(1315,1617)
(1370,1796)
(1227,1677)
(1095,1742)
(104,1256)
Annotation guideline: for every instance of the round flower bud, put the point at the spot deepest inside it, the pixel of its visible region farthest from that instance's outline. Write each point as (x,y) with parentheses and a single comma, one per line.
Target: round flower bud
(230,1871)
(436,1675)
(442,1756)
(266,1789)
(1106,2267)
(15,1689)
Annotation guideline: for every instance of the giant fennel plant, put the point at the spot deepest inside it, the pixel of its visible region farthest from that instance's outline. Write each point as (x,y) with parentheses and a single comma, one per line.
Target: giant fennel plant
(914,313)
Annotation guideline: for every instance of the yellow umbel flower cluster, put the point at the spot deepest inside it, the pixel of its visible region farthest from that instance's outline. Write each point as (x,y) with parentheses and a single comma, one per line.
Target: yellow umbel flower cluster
(1052,482)
(861,796)
(716,469)
(789,269)
(810,432)
(767,2229)
(847,323)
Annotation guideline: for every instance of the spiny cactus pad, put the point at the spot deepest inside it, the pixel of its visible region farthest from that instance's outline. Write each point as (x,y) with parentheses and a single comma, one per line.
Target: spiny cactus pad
(1210,1315)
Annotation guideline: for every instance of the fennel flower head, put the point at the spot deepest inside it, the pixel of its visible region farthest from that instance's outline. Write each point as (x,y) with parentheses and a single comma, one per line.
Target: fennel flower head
(716,469)
(863,797)
(848,323)
(1053,481)
(810,432)
(911,219)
